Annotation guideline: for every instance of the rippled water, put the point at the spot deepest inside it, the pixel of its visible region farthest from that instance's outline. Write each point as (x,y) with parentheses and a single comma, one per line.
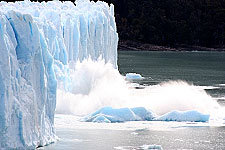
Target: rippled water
(199,68)
(133,135)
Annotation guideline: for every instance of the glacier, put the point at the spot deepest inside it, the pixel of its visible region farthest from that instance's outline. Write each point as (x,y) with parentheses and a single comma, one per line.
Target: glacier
(61,53)
(39,44)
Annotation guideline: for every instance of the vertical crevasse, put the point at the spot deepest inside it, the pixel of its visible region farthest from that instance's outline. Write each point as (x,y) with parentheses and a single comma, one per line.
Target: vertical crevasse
(39,43)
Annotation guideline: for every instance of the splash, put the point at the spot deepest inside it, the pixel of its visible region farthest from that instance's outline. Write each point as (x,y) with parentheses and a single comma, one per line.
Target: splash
(175,95)
(96,84)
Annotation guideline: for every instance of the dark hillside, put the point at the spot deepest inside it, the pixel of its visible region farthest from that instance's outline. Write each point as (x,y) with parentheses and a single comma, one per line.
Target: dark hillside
(172,23)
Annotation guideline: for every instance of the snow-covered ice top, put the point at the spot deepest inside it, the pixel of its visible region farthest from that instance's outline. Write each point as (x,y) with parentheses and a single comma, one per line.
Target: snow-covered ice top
(39,42)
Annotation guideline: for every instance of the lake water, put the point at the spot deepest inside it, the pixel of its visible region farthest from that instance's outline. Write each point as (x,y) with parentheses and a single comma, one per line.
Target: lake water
(203,69)
(199,68)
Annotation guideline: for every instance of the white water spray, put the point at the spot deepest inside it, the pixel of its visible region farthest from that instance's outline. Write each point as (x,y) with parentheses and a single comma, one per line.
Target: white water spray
(96,85)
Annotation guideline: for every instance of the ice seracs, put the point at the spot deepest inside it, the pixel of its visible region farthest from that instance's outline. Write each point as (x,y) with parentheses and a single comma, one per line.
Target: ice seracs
(38,44)
(28,86)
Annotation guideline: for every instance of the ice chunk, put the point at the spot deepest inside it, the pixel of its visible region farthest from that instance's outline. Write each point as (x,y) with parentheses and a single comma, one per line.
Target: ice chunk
(143,113)
(101,118)
(132,76)
(193,116)
(151,147)
(144,147)
(109,114)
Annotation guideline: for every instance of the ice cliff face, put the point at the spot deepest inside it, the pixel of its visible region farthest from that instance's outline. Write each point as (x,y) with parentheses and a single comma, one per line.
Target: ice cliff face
(38,44)
(27,84)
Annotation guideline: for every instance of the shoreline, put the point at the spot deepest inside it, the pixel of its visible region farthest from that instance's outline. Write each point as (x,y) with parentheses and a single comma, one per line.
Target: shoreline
(128,45)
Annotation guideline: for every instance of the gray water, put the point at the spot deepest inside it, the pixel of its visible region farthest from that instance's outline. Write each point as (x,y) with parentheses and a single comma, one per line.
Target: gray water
(196,138)
(198,68)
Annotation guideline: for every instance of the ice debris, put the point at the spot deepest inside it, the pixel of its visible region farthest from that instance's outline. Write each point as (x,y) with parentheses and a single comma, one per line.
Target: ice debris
(133,76)
(112,115)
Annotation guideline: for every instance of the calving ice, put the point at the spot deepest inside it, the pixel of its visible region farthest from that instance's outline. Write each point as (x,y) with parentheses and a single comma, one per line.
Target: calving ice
(62,57)
(39,42)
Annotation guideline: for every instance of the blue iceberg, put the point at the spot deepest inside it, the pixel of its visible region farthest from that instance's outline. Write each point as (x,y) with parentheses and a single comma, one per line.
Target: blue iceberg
(191,116)
(133,76)
(112,115)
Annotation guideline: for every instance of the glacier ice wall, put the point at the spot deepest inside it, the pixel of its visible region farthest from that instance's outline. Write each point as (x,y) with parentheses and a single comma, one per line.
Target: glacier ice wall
(39,43)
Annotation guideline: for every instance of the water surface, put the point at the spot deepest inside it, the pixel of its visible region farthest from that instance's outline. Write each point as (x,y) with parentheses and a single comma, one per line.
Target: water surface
(204,69)
(198,68)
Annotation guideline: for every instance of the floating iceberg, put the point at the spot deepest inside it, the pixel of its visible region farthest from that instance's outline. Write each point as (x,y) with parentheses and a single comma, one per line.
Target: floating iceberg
(152,147)
(38,44)
(144,147)
(133,76)
(111,115)
(192,116)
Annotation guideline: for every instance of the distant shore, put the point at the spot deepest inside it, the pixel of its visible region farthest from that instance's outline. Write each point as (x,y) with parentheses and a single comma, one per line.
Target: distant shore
(127,45)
